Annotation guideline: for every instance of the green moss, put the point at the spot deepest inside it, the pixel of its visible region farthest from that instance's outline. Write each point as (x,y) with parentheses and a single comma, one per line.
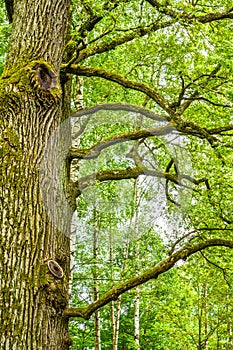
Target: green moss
(23,78)
(41,276)
(55,92)
(12,137)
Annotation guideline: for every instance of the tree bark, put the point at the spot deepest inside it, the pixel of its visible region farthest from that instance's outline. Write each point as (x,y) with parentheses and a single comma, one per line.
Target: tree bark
(32,298)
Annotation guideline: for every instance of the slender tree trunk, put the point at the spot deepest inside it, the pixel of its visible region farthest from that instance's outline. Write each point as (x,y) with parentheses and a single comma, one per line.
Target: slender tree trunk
(95,286)
(137,318)
(229,324)
(137,291)
(115,309)
(205,307)
(74,167)
(79,98)
(32,298)
(117,324)
(116,306)
(112,309)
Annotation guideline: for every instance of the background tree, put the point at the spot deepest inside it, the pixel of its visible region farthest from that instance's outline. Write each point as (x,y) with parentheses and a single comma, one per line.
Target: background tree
(173,58)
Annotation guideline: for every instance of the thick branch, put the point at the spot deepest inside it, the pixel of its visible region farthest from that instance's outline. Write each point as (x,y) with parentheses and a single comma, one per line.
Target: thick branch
(211,17)
(187,128)
(184,127)
(153,273)
(94,151)
(120,106)
(130,173)
(220,129)
(127,83)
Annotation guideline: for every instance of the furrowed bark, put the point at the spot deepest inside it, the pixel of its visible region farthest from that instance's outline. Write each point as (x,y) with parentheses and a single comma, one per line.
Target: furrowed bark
(32,298)
(38,32)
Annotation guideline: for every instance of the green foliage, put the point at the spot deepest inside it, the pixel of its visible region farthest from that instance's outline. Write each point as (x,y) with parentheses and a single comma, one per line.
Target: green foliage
(190,305)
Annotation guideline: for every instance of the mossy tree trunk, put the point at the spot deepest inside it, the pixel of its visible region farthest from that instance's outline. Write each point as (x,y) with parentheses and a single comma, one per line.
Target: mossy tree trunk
(32,105)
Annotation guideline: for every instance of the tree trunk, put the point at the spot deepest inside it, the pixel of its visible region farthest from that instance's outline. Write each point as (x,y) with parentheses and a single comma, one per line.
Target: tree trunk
(97,325)
(137,250)
(33,298)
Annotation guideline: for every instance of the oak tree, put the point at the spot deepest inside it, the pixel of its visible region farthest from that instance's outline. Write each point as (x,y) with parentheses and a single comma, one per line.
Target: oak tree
(172,58)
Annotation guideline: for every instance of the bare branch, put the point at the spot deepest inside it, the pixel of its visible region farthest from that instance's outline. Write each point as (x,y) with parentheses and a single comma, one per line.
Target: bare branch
(201,229)
(153,273)
(195,94)
(218,267)
(201,98)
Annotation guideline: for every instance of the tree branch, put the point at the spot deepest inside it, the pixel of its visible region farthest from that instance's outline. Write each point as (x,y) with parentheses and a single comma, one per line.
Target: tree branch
(9,9)
(127,83)
(93,19)
(187,128)
(197,230)
(220,129)
(94,151)
(184,127)
(153,273)
(142,31)
(120,106)
(130,173)
(211,17)
(223,270)
(195,94)
(139,32)
(88,26)
(202,98)
(180,14)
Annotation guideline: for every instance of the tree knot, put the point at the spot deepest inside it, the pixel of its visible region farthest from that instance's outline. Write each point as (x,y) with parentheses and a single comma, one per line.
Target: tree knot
(45,77)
